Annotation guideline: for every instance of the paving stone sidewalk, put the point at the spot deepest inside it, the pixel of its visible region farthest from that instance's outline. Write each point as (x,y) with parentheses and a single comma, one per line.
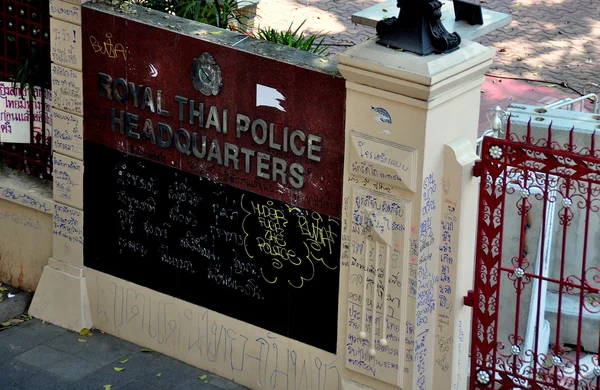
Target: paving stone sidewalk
(552,40)
(41,356)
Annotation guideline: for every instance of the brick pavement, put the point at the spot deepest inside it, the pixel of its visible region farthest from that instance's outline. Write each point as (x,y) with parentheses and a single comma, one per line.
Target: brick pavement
(41,356)
(552,40)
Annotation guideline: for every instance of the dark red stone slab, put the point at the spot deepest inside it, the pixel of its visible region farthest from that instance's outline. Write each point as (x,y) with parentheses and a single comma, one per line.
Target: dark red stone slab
(162,59)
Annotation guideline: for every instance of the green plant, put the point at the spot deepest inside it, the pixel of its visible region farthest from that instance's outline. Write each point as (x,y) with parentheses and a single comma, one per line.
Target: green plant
(33,71)
(218,13)
(310,43)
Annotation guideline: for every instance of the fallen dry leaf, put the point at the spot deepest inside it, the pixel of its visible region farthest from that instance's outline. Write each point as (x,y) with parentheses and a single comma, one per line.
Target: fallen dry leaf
(146,350)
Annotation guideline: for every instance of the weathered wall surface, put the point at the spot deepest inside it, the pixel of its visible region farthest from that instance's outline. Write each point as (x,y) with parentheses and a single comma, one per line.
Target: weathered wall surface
(25,230)
(219,171)
(249,355)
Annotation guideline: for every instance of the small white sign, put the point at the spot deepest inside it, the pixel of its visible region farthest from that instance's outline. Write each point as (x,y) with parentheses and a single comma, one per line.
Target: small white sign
(270,97)
(15,114)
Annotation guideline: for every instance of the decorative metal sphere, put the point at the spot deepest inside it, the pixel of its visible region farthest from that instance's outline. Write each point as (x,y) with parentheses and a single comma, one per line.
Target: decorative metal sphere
(515,350)
(483,377)
(519,272)
(496,152)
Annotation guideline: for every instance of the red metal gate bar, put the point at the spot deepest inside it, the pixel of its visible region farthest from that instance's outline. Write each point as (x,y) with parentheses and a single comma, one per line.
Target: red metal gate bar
(574,173)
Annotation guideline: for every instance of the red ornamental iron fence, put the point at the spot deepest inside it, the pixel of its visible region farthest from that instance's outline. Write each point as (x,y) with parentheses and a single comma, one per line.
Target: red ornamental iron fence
(536,308)
(25,30)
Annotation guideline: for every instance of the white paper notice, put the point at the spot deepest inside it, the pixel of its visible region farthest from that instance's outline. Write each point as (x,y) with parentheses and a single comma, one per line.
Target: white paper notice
(15,114)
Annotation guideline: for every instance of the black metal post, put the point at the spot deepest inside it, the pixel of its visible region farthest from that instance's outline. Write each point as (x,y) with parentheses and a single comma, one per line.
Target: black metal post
(418,29)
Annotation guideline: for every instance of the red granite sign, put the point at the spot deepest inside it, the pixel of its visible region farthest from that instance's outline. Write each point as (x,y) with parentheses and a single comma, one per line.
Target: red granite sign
(235,117)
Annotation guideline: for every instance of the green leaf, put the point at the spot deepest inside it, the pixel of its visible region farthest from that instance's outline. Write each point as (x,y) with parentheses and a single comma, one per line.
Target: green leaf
(203,377)
(85,332)
(146,350)
(7,323)
(551,85)
(123,361)
(118,369)
(3,289)
(159,374)
(107,387)
(82,340)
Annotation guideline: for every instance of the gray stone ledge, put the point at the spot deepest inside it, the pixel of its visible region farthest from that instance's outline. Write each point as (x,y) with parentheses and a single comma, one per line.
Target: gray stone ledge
(27,191)
(205,32)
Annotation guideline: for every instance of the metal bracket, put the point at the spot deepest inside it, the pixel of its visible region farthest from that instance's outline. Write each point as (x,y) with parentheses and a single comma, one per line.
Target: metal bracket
(477,169)
(469,299)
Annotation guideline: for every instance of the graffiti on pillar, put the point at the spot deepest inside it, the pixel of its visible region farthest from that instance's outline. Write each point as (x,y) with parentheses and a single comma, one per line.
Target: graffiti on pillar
(375,344)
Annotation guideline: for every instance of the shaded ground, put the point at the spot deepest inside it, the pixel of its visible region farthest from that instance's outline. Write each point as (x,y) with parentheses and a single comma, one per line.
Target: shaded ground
(34,355)
(553,40)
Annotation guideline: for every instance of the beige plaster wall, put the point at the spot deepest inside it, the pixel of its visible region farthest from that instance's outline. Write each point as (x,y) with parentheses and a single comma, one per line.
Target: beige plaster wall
(236,350)
(21,262)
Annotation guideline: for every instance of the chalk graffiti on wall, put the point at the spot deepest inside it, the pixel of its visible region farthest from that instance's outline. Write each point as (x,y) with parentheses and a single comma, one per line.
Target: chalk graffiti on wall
(205,338)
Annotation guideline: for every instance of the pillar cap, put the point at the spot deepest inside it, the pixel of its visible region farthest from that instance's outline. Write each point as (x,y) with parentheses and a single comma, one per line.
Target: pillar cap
(418,77)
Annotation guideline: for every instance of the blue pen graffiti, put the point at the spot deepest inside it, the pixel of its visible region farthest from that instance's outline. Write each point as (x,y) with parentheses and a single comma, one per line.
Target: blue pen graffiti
(24,199)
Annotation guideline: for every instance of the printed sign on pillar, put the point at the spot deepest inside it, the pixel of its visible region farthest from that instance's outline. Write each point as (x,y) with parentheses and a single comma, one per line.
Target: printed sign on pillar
(15,121)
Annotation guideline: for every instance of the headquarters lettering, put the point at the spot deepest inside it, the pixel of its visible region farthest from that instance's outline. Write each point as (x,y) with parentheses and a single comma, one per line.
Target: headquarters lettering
(189,143)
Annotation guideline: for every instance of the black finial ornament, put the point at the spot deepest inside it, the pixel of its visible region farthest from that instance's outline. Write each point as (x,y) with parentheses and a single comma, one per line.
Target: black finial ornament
(417,29)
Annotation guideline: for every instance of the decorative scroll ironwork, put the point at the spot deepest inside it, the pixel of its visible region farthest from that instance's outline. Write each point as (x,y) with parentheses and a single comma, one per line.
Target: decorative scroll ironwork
(546,171)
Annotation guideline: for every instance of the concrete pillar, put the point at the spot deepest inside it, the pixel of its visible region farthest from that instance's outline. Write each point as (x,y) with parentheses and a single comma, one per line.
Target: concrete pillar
(410,206)
(61,297)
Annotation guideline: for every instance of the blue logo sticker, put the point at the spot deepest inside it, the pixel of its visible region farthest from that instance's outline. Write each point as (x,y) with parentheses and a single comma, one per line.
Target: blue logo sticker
(383,115)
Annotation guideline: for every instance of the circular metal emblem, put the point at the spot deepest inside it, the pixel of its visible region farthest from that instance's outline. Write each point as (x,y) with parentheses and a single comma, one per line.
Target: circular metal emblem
(206,75)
